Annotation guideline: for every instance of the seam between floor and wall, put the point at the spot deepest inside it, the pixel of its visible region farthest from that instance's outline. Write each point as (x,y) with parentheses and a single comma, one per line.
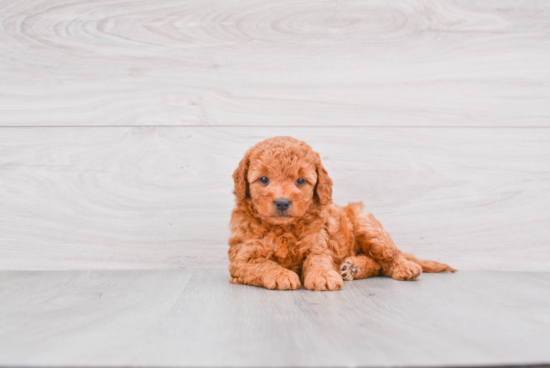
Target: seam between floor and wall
(276,126)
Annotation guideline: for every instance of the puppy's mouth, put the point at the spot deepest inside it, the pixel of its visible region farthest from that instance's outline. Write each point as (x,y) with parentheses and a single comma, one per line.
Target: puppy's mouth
(282,214)
(281,217)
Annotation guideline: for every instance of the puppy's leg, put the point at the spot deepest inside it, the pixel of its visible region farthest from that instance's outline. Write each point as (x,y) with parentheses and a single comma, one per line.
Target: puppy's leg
(377,243)
(266,274)
(429,266)
(359,267)
(319,273)
(250,267)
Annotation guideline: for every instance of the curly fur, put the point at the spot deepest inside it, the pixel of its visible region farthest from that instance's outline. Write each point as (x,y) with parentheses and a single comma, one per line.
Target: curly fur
(315,242)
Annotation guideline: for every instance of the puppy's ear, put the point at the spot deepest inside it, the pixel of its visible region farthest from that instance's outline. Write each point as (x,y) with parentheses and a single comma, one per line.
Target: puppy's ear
(323,188)
(240,177)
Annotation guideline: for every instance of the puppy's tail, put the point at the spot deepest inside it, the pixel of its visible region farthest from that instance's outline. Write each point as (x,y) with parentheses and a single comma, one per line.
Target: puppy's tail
(429,266)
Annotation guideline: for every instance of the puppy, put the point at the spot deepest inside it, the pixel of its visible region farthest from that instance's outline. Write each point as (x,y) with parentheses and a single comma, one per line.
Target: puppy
(286,231)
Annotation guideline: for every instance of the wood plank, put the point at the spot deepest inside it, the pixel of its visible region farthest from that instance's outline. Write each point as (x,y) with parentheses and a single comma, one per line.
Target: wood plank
(296,63)
(185,318)
(147,198)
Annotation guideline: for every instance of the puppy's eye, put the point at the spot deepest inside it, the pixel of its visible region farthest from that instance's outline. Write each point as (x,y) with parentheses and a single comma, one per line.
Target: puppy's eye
(300,181)
(264,180)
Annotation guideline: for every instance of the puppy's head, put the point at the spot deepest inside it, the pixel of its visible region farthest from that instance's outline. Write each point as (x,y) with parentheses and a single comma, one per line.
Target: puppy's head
(283,179)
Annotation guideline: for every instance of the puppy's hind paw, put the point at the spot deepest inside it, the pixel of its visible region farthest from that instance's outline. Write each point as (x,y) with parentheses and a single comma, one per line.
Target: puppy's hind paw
(347,270)
(406,271)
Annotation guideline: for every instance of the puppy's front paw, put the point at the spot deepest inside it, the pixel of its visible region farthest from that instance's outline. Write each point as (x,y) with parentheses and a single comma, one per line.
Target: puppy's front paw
(322,279)
(281,280)
(406,270)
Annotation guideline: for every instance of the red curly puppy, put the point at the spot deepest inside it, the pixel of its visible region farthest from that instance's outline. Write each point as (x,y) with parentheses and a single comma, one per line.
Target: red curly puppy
(285,230)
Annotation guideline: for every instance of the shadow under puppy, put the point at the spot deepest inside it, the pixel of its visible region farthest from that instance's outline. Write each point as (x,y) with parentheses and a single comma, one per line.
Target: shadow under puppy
(285,230)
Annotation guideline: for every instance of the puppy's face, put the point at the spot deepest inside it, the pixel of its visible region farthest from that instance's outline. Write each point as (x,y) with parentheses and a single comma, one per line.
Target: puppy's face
(281,189)
(282,177)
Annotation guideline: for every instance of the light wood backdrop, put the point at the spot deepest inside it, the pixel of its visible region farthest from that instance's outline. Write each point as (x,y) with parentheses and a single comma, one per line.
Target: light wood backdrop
(122,121)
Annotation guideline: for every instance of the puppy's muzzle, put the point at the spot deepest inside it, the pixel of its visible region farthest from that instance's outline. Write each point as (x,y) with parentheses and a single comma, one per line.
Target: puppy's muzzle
(282,204)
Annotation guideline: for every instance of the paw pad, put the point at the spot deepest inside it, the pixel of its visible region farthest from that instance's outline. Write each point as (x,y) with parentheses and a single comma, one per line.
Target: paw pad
(347,271)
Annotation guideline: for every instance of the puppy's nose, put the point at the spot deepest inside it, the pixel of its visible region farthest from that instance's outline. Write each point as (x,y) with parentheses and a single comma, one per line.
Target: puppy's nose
(282,204)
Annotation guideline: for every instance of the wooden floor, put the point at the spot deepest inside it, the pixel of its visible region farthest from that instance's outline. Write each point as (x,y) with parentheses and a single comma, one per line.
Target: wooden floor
(197,318)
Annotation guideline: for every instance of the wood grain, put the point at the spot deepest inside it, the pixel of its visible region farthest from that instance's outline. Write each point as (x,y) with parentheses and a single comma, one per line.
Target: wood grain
(185,318)
(150,197)
(294,63)
(146,108)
